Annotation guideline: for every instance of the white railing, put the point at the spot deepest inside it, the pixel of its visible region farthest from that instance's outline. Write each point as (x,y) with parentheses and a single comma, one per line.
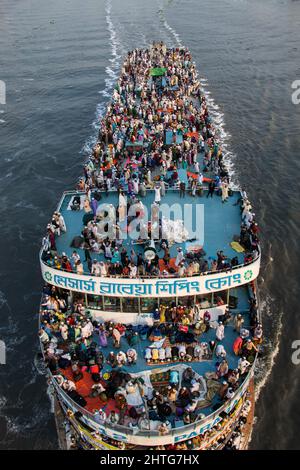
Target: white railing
(152,287)
(142,437)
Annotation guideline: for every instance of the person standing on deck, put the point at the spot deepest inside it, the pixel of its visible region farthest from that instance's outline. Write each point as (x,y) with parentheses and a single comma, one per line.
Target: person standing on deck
(162,187)
(94,206)
(51,237)
(61,222)
(193,187)
(157,194)
(224,189)
(220,332)
(182,189)
(122,206)
(238,322)
(179,257)
(211,189)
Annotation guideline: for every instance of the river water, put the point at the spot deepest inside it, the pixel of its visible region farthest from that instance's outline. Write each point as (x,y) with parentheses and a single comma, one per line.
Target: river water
(59,61)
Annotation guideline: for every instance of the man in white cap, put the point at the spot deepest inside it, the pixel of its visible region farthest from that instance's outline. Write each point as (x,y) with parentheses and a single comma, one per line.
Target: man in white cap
(229,393)
(220,332)
(157,194)
(220,351)
(61,221)
(243,365)
(179,257)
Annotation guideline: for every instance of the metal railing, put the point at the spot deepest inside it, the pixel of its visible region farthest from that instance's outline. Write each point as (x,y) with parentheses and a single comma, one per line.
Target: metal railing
(148,433)
(144,277)
(170,275)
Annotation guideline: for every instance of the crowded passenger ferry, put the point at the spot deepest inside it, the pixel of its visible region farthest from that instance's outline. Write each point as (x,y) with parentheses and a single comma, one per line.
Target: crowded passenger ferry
(149,319)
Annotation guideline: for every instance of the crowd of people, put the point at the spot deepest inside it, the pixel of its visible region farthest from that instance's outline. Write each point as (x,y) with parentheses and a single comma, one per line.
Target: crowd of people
(77,346)
(212,439)
(153,128)
(133,154)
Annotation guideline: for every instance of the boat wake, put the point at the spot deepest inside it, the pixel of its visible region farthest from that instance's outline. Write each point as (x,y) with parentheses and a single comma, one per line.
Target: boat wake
(271,344)
(172,32)
(222,135)
(112,74)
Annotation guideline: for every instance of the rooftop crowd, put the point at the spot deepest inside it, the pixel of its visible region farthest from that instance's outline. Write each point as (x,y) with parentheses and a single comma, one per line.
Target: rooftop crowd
(132,154)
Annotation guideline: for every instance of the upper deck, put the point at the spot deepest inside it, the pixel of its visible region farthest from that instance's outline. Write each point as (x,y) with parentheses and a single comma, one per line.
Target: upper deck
(217,225)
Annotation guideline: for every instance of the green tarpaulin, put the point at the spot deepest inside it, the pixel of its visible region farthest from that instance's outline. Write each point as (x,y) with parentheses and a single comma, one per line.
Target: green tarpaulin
(157,72)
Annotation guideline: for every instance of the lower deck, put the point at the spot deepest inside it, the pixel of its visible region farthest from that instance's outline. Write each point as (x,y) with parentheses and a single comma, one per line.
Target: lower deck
(210,399)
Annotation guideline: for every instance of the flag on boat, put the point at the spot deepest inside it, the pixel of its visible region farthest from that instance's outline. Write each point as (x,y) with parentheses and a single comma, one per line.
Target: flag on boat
(157,71)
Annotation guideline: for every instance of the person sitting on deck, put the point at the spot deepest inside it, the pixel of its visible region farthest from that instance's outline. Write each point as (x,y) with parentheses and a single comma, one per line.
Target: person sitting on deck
(99,416)
(222,368)
(113,418)
(220,351)
(249,349)
(258,334)
(243,365)
(131,356)
(187,376)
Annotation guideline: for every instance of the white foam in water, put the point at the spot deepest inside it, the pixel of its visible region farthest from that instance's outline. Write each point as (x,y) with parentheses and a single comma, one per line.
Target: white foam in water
(51,398)
(266,363)
(169,28)
(3,300)
(3,401)
(112,73)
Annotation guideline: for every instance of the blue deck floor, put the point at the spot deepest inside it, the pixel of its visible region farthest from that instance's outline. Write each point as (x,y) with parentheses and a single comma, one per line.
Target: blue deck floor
(221,223)
(199,367)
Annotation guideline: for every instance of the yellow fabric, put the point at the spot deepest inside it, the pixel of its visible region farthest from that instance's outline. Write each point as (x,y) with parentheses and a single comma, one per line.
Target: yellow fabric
(237,247)
(155,354)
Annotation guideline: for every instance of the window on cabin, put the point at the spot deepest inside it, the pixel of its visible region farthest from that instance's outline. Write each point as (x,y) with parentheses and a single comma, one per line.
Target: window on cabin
(149,305)
(95,301)
(130,305)
(112,304)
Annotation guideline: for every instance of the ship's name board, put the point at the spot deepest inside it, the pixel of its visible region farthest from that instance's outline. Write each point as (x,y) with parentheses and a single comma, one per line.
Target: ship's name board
(166,287)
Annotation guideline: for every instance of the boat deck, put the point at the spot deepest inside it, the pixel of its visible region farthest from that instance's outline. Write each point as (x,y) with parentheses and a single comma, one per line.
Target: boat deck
(221,223)
(200,367)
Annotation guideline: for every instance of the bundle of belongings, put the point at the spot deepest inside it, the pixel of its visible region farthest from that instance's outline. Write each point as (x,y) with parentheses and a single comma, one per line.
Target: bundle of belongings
(174,230)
